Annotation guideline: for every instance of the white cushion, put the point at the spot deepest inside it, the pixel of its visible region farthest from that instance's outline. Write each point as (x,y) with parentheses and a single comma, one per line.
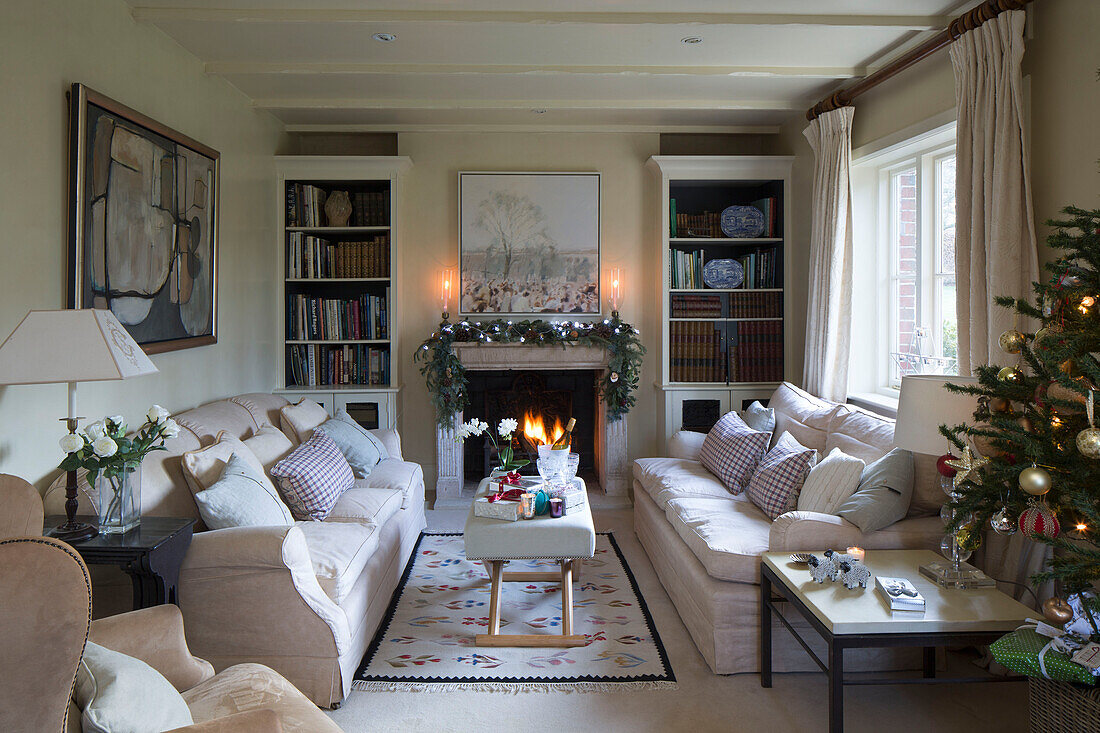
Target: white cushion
(727,535)
(121,694)
(393,473)
(860,434)
(300,419)
(365,504)
(830,483)
(802,415)
(665,479)
(686,444)
(242,497)
(339,551)
(204,467)
(758,417)
(270,445)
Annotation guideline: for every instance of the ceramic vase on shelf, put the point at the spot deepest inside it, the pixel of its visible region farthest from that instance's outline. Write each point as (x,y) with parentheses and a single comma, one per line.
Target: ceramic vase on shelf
(119,499)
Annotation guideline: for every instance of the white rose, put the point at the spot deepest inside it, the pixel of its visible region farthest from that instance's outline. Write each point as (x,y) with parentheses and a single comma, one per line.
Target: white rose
(171,428)
(96,430)
(119,423)
(71,443)
(157,414)
(507,426)
(105,447)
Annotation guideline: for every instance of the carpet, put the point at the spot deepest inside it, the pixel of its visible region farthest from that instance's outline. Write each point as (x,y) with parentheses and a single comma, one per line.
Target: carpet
(425,642)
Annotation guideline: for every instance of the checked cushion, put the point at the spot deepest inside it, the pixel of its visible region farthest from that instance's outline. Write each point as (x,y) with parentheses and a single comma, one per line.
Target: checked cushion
(313,477)
(778,479)
(731,451)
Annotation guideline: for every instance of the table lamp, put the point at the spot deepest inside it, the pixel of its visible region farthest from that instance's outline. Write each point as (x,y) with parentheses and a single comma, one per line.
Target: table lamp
(923,406)
(48,347)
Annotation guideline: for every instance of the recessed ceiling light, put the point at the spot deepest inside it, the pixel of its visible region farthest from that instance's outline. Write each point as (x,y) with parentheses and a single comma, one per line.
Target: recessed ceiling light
(691,40)
(384,37)
(539,111)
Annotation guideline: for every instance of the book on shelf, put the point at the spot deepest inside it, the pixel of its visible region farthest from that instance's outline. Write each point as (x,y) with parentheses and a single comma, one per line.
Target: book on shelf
(686,269)
(756,305)
(768,206)
(741,304)
(758,356)
(305,206)
(695,352)
(672,218)
(705,224)
(320,365)
(316,258)
(761,268)
(899,594)
(365,317)
(691,305)
(370,208)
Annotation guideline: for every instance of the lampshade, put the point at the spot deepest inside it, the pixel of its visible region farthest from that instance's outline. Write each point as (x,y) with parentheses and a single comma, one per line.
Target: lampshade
(924,405)
(86,345)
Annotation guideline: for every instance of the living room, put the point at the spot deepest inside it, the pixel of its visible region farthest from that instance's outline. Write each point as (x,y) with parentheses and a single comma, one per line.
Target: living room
(733,220)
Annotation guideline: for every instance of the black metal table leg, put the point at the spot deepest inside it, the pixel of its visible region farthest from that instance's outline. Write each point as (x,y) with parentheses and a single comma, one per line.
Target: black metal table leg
(836,687)
(929,662)
(765,631)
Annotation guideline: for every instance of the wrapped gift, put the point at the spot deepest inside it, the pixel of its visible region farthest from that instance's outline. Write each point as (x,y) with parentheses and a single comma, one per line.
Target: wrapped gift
(507,510)
(1026,652)
(572,494)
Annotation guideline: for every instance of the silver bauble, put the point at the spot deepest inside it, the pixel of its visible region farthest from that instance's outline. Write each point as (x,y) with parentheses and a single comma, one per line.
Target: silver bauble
(1035,480)
(1002,524)
(1088,442)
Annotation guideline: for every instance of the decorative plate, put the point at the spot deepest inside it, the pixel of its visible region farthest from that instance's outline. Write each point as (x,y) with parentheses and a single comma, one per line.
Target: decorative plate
(723,274)
(801,557)
(742,221)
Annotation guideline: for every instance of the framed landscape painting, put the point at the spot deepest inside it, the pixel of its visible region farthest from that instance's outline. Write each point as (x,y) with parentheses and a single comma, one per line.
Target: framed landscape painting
(143,224)
(529,243)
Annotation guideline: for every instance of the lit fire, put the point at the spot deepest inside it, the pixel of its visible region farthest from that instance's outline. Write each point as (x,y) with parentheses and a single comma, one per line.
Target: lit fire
(534,428)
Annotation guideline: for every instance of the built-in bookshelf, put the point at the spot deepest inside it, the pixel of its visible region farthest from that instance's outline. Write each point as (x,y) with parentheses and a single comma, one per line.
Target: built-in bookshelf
(337,289)
(721,346)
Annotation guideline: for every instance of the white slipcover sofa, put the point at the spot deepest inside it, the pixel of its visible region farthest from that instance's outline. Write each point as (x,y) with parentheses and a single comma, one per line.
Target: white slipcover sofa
(304,599)
(705,544)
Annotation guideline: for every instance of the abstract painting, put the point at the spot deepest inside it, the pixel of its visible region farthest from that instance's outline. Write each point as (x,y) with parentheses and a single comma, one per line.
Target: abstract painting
(529,243)
(143,224)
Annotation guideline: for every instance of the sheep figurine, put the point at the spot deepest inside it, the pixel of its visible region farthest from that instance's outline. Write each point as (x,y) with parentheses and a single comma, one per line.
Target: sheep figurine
(853,574)
(822,569)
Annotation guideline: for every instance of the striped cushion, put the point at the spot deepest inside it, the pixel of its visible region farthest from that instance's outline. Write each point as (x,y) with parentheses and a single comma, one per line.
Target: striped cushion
(775,484)
(731,451)
(312,478)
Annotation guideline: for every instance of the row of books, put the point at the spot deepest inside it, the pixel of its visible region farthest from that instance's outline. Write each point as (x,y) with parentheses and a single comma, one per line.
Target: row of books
(769,206)
(329,319)
(316,365)
(762,269)
(749,351)
(370,208)
(709,223)
(686,268)
(305,207)
(313,257)
(727,305)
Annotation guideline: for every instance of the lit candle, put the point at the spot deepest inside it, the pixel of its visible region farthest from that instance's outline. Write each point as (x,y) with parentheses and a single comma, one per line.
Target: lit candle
(616,298)
(445,279)
(857,552)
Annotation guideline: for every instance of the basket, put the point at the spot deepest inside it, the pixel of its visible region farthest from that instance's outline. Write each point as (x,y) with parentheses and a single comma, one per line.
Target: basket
(1063,707)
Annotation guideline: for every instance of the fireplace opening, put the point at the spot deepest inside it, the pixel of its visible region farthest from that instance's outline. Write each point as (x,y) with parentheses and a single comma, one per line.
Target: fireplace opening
(542,401)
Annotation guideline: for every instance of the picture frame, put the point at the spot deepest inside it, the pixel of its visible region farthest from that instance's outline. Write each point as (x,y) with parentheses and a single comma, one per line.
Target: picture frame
(143,223)
(529,244)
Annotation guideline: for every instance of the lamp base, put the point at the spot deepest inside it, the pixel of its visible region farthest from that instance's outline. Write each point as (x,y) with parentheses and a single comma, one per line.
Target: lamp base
(966,576)
(73,532)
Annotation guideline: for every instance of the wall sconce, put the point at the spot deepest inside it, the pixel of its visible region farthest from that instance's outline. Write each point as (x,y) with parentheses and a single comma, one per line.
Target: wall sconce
(616,298)
(446,281)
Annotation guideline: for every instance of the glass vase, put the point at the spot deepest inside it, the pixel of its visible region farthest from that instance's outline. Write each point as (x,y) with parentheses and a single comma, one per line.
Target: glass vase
(119,500)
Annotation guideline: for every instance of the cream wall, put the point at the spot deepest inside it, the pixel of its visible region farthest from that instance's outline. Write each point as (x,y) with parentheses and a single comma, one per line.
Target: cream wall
(44,46)
(429,221)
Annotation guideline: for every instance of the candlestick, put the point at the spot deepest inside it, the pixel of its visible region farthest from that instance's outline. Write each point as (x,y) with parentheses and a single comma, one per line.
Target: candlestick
(616,298)
(446,278)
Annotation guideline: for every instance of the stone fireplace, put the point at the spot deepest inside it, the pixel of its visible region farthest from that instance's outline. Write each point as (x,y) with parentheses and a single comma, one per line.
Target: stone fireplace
(559,382)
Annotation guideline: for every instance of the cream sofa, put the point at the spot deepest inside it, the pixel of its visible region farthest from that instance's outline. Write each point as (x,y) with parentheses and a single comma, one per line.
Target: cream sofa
(304,600)
(705,544)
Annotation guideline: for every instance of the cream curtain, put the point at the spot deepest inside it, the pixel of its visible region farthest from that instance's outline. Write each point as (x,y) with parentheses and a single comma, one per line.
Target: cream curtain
(828,317)
(995,252)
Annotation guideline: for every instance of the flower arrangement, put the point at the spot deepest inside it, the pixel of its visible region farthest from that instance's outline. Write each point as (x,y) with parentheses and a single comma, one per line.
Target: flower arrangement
(505,429)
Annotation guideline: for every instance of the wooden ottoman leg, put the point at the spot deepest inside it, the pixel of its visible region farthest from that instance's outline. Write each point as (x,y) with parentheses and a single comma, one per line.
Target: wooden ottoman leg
(566,597)
(494,596)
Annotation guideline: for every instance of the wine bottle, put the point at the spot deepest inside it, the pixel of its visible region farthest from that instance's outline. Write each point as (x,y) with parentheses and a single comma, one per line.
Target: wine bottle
(566,438)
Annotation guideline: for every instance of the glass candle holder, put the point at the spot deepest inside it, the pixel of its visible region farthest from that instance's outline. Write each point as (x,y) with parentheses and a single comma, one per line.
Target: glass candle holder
(527,505)
(557,508)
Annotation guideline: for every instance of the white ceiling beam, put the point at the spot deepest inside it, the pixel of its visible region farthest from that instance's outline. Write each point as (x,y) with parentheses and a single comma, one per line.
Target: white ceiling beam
(535,127)
(352,15)
(233,68)
(524,104)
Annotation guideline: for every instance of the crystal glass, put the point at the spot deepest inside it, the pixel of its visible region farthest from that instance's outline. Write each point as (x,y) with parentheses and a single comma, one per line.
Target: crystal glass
(572,462)
(551,464)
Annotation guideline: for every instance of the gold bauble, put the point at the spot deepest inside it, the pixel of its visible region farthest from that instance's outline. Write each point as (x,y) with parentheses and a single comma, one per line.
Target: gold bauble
(1044,337)
(1069,368)
(1025,423)
(1012,341)
(1010,374)
(1056,610)
(1088,442)
(1035,481)
(968,537)
(1000,404)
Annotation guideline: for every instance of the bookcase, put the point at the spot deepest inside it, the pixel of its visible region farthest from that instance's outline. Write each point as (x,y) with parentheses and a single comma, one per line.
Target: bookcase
(337,291)
(723,343)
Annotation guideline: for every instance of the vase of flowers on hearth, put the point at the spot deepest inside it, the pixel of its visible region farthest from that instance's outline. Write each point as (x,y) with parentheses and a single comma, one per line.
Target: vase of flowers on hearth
(504,449)
(113,462)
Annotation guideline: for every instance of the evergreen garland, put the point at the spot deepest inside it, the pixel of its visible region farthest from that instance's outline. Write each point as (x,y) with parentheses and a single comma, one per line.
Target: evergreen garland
(446,377)
(1034,415)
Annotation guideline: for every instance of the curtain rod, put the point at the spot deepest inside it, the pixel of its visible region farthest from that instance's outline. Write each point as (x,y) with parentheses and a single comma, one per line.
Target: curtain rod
(968,21)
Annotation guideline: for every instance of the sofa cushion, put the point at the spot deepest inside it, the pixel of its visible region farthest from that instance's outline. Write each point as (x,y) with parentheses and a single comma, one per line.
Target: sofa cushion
(861,434)
(251,687)
(312,478)
(686,444)
(339,551)
(726,535)
(263,406)
(802,415)
(775,484)
(270,445)
(830,483)
(121,694)
(299,420)
(204,467)
(393,473)
(209,420)
(365,504)
(665,479)
(758,417)
(928,497)
(731,451)
(361,449)
(885,490)
(242,497)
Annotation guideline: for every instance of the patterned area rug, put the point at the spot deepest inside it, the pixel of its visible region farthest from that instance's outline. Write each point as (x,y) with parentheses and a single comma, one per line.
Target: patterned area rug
(426,640)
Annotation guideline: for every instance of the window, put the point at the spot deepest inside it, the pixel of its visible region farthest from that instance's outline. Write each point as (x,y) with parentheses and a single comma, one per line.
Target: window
(904,236)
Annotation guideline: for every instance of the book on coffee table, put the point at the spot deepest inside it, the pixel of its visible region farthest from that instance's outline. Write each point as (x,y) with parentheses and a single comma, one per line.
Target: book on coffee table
(899,594)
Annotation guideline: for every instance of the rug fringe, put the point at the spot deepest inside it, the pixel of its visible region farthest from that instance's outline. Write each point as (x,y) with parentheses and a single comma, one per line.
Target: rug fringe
(513,687)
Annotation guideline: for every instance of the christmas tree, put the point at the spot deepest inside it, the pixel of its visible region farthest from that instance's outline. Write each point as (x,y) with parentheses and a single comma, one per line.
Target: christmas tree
(1031,460)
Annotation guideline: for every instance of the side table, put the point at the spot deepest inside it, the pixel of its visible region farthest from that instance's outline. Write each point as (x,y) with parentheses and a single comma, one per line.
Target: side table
(151,554)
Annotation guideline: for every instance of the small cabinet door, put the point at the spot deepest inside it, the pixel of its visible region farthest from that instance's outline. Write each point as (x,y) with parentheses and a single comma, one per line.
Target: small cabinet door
(372,410)
(695,409)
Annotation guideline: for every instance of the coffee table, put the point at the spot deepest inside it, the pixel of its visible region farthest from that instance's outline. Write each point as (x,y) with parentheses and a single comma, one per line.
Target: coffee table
(495,542)
(860,618)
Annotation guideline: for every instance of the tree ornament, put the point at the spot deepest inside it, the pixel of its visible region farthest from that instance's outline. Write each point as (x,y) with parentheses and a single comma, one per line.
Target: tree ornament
(969,537)
(1038,521)
(968,468)
(1000,404)
(1002,524)
(1012,341)
(1067,280)
(1056,391)
(614,377)
(1069,368)
(1045,337)
(1010,375)
(1025,423)
(943,468)
(1057,611)
(1088,440)
(574,334)
(1035,480)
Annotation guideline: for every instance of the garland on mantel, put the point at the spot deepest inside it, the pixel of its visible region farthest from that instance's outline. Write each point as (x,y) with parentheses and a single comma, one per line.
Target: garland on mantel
(446,377)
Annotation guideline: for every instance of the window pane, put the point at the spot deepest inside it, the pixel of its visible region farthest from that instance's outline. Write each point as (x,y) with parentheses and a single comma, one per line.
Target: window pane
(906,265)
(945,182)
(947,337)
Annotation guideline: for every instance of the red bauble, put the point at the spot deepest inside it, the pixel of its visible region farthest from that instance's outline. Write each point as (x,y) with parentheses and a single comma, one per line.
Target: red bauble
(943,468)
(1039,521)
